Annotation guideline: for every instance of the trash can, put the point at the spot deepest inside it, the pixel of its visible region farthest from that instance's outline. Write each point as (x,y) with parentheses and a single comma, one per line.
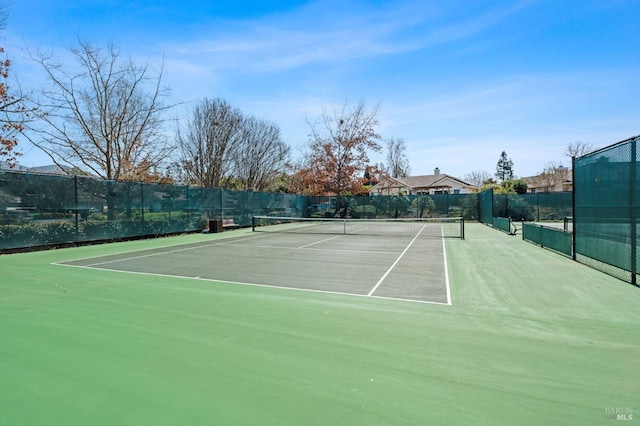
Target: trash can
(215,225)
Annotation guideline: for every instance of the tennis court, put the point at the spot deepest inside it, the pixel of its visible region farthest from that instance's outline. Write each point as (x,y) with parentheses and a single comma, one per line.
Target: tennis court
(398,259)
(160,332)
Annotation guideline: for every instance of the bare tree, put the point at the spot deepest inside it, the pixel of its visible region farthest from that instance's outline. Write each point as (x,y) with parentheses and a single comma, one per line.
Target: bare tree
(262,156)
(105,117)
(397,162)
(209,142)
(578,149)
(551,178)
(339,146)
(477,177)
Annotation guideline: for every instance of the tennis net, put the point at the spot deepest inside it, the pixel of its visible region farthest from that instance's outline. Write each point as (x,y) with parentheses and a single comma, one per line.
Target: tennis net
(449,227)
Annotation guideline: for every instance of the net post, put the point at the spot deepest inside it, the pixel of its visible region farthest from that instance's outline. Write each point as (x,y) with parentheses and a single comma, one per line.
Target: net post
(462,228)
(253,224)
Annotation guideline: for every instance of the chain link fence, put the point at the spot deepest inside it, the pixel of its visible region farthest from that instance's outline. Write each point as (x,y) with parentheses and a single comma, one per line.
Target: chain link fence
(607,203)
(41,210)
(44,210)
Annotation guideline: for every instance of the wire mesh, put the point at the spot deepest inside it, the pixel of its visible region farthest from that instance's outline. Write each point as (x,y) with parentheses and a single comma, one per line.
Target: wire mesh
(40,210)
(413,227)
(549,237)
(607,197)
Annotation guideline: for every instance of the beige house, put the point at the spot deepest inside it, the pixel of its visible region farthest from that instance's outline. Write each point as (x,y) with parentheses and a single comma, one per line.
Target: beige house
(437,183)
(558,179)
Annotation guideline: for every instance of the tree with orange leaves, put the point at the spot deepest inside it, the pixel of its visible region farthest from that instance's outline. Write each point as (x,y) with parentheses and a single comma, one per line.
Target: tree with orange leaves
(10,128)
(338,152)
(13,110)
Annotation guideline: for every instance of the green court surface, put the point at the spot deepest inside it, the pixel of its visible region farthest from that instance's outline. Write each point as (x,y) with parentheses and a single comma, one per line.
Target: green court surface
(406,267)
(232,331)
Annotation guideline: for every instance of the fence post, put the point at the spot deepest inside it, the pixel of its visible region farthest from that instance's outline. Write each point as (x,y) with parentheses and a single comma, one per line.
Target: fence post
(632,212)
(573,205)
(75,190)
(221,203)
(142,203)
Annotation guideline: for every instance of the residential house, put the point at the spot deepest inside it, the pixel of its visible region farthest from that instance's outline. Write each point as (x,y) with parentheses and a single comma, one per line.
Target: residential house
(558,179)
(437,183)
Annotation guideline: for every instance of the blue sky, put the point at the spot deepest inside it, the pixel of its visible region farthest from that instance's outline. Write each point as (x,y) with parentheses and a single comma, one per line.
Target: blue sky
(459,81)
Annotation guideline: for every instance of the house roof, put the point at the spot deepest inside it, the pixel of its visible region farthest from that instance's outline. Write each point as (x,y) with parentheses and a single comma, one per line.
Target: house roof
(565,176)
(424,181)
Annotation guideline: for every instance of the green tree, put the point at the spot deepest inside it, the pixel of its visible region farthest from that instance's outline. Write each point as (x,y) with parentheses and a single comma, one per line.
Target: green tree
(425,204)
(381,204)
(512,186)
(399,205)
(504,168)
(515,186)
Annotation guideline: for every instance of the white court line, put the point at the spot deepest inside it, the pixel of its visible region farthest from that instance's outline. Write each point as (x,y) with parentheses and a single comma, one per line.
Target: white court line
(309,290)
(357,231)
(446,268)
(318,242)
(199,244)
(195,246)
(231,241)
(396,262)
(331,250)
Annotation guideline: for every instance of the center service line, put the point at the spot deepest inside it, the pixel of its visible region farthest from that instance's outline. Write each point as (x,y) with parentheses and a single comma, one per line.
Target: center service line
(396,262)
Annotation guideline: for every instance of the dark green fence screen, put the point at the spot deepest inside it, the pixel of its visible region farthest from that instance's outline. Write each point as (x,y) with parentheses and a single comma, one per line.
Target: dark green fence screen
(504,224)
(539,207)
(552,238)
(396,206)
(485,207)
(39,210)
(502,210)
(607,203)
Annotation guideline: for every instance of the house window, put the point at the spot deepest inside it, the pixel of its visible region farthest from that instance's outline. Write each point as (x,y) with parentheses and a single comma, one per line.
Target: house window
(456,191)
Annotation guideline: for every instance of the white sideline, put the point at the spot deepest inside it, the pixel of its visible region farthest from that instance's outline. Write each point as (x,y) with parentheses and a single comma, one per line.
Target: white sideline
(396,262)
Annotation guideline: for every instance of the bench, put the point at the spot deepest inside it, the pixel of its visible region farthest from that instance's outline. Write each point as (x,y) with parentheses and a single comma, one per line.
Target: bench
(228,224)
(219,225)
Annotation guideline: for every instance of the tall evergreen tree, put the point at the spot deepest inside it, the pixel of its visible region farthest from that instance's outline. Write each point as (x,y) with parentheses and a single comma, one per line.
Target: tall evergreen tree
(504,168)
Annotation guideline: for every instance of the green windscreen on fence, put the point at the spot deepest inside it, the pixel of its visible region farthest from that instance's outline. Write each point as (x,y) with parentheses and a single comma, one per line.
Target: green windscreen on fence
(504,224)
(552,238)
(395,206)
(607,200)
(537,207)
(500,210)
(40,210)
(485,207)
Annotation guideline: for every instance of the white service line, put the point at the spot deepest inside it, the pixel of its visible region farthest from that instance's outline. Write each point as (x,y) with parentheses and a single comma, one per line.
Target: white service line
(318,242)
(249,284)
(396,262)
